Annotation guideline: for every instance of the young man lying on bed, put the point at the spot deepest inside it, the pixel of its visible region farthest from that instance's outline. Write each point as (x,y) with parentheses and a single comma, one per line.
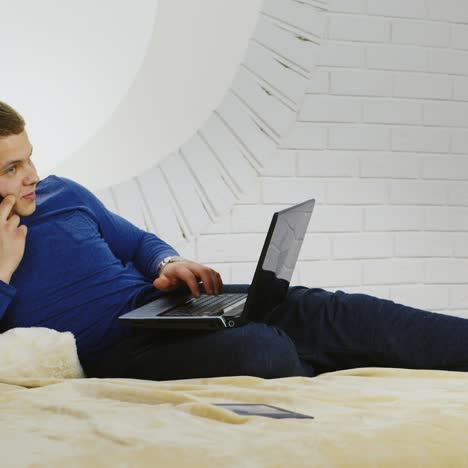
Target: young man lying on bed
(68,263)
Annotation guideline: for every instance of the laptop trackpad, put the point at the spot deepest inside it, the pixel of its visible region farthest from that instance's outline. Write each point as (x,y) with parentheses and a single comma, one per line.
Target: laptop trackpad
(171,300)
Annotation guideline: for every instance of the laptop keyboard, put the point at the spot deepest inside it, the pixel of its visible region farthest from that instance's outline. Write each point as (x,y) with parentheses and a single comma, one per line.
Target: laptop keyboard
(204,305)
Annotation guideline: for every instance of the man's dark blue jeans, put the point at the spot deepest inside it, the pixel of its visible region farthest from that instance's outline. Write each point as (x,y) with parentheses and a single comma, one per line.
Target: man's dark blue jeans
(312,332)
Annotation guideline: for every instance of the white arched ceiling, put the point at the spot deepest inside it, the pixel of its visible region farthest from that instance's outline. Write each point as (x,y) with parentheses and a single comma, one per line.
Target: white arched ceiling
(53,71)
(189,64)
(200,181)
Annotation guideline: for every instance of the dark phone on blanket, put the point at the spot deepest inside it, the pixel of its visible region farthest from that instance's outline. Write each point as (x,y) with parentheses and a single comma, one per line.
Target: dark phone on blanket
(267,411)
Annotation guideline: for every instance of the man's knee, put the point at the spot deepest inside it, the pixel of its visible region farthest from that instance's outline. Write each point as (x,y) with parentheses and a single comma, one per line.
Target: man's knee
(268,352)
(255,349)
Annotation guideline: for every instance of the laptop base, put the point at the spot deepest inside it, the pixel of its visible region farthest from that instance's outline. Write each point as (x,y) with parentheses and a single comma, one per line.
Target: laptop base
(185,323)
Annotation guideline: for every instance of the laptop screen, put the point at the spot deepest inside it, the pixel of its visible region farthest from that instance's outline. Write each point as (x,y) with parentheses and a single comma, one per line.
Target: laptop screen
(286,241)
(279,257)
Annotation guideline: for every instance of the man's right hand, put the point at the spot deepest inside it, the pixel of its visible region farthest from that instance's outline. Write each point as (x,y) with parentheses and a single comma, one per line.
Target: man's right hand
(12,239)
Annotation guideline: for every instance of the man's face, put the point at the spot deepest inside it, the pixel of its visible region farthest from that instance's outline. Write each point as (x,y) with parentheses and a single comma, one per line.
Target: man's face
(18,178)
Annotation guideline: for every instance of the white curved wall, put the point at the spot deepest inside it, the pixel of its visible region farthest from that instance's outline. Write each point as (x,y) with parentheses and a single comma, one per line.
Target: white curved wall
(67,65)
(190,62)
(382,143)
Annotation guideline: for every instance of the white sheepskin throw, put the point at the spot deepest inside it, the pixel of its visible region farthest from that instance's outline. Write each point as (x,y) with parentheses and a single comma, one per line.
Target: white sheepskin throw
(38,352)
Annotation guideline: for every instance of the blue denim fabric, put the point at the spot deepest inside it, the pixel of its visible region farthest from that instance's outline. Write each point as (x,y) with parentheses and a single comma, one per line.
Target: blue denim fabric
(312,332)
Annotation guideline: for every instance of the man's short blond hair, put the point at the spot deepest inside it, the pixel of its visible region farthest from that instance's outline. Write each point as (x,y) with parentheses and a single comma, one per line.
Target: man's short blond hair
(11,122)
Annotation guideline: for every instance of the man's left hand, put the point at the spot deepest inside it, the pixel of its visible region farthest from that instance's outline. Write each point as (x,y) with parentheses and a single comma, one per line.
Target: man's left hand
(176,274)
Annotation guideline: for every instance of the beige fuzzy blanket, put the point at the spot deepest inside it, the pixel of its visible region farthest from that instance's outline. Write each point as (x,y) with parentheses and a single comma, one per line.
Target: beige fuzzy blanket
(368,417)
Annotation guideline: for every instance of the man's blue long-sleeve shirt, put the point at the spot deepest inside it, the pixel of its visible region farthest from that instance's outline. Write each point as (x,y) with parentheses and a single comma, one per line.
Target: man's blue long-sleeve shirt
(83,267)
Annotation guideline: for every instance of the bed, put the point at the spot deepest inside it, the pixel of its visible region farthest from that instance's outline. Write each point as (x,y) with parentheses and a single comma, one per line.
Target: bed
(362,417)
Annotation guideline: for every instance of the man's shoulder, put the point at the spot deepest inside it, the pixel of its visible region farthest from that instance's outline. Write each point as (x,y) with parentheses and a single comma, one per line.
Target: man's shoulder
(55,179)
(56,191)
(53,182)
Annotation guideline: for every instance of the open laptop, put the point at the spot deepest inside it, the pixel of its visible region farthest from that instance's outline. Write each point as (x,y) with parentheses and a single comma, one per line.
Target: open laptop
(180,310)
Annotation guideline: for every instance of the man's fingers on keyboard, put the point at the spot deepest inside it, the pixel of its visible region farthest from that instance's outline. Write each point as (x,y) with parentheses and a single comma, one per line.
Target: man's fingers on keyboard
(190,280)
(208,282)
(216,283)
(219,283)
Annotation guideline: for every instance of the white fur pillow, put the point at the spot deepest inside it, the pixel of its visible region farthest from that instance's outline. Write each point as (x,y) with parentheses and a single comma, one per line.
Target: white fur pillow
(38,352)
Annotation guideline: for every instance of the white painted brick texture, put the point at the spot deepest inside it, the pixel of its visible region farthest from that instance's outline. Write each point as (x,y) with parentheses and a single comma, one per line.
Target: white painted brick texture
(381,142)
(398,8)
(422,85)
(396,57)
(348,6)
(460,90)
(422,33)
(460,37)
(448,10)
(358,28)
(361,83)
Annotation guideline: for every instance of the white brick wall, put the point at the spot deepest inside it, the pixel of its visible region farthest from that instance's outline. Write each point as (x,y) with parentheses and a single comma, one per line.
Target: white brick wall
(381,142)
(424,86)
(360,83)
(422,33)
